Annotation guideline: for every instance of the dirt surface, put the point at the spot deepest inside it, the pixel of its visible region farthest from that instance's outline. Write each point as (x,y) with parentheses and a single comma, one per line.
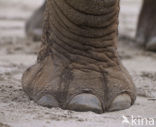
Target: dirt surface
(17,53)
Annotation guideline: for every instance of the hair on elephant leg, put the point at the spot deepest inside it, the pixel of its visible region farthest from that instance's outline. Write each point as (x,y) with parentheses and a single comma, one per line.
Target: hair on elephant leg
(78,67)
(146,30)
(33,27)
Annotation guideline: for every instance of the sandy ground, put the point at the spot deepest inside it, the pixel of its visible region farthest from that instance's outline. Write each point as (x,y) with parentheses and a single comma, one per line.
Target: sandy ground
(17,53)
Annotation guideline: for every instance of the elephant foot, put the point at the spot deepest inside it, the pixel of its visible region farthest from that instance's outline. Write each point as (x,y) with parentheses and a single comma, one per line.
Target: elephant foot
(37,34)
(53,85)
(151,45)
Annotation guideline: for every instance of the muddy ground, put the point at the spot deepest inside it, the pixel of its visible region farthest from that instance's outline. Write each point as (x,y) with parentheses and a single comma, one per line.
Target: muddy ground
(17,53)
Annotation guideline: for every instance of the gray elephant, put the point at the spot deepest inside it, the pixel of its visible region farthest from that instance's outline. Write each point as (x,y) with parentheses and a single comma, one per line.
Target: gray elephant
(33,27)
(146,31)
(78,66)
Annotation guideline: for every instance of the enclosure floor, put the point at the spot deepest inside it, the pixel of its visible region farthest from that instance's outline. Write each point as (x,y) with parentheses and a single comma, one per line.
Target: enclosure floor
(17,53)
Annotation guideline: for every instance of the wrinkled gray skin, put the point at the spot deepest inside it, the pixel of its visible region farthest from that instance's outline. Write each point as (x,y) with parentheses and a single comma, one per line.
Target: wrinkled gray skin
(33,27)
(145,35)
(78,67)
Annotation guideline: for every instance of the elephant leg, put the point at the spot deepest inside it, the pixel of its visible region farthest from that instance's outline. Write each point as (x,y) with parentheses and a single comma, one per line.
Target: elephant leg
(33,26)
(146,30)
(78,67)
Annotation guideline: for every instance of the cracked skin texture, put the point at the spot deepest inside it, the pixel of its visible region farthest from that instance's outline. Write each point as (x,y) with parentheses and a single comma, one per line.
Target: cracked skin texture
(78,67)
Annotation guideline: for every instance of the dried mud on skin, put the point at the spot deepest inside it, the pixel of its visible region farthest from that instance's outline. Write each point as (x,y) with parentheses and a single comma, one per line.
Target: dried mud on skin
(17,53)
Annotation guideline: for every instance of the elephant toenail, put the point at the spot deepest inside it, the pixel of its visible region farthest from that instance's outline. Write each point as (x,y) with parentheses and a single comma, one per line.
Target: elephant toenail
(85,102)
(48,101)
(121,102)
